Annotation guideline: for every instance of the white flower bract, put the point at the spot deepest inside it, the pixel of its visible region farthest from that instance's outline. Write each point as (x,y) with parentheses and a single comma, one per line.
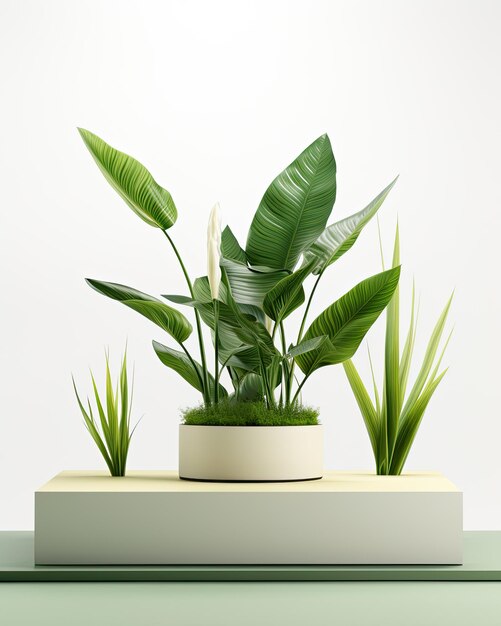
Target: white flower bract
(214,251)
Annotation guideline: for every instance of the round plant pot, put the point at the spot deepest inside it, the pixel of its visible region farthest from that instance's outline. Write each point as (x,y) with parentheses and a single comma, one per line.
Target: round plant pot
(250,453)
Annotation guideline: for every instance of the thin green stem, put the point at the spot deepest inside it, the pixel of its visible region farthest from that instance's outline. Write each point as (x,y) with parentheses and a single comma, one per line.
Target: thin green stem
(205,385)
(301,329)
(216,350)
(303,322)
(286,369)
(192,361)
(298,391)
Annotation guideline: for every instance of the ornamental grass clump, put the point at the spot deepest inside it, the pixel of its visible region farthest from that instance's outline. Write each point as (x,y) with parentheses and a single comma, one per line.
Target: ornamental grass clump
(109,423)
(393,419)
(250,291)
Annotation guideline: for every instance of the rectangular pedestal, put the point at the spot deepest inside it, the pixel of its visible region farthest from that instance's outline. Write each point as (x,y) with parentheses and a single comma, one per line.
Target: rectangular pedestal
(151,517)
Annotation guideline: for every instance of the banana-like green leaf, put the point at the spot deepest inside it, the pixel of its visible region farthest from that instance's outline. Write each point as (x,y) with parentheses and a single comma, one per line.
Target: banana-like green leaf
(236,328)
(132,182)
(347,321)
(190,370)
(248,388)
(287,295)
(249,286)
(230,248)
(338,238)
(171,320)
(177,299)
(307,345)
(294,209)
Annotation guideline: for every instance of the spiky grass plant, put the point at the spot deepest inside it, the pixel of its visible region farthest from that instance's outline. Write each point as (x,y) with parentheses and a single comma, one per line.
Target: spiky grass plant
(112,432)
(393,421)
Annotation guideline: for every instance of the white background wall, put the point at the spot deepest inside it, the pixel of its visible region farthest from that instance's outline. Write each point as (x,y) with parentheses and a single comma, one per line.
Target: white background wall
(216,98)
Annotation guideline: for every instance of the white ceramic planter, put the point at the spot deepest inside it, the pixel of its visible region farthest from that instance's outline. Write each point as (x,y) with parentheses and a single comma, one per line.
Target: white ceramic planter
(250,453)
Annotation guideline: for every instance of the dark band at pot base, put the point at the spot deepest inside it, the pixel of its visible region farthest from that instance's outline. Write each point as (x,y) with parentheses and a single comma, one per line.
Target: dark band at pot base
(287,480)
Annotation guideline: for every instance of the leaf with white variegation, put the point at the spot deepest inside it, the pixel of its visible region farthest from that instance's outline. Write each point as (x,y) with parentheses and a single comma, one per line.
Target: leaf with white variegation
(347,321)
(169,319)
(133,182)
(338,238)
(294,209)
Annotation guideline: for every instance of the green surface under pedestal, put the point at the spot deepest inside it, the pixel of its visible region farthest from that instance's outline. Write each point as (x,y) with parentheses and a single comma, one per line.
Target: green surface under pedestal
(482,562)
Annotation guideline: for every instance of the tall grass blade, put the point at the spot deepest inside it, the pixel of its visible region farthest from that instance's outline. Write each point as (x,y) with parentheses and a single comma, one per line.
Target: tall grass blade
(392,359)
(406,358)
(364,402)
(429,358)
(411,423)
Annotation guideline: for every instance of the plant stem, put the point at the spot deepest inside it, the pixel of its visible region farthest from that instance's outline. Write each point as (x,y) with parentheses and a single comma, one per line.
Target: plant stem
(299,389)
(192,361)
(205,385)
(286,370)
(303,322)
(215,303)
(300,335)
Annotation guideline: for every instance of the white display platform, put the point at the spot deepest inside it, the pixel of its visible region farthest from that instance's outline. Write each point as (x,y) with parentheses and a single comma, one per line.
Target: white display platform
(152,517)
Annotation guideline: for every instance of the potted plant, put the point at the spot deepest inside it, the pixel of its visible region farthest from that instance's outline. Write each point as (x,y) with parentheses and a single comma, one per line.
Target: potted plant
(393,418)
(259,430)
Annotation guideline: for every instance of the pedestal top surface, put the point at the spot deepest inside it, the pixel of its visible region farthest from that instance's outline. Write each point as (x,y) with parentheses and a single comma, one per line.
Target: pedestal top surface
(168,481)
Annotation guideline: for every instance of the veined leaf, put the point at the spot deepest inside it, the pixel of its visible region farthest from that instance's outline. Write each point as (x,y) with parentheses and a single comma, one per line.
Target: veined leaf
(249,286)
(169,319)
(132,182)
(177,299)
(287,295)
(338,238)
(294,209)
(230,248)
(306,346)
(190,370)
(249,388)
(347,321)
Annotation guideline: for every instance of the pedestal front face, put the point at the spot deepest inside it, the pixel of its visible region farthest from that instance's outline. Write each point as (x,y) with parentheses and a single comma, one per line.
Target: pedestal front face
(154,518)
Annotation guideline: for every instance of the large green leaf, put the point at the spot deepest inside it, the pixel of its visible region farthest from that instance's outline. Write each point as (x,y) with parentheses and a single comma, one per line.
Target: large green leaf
(347,321)
(230,248)
(171,320)
(294,209)
(338,238)
(307,345)
(132,182)
(287,295)
(249,286)
(189,369)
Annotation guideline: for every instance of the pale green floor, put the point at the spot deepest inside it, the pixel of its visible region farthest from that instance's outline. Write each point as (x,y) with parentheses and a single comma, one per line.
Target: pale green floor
(256,604)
